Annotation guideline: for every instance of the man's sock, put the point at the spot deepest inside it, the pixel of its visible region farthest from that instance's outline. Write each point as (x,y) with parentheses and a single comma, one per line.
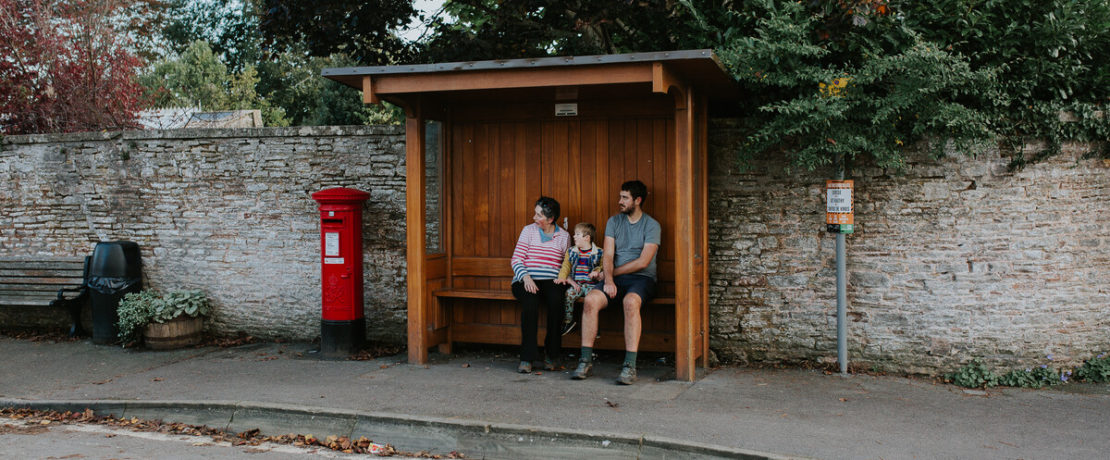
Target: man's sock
(630,359)
(587,354)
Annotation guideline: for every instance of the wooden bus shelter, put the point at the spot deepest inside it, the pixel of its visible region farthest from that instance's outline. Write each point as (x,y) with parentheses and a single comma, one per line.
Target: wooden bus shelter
(485,139)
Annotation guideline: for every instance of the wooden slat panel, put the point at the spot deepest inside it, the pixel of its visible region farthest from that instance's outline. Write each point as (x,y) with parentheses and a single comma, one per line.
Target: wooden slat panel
(475,294)
(24,301)
(41,273)
(482,266)
(602,194)
(35,287)
(521,211)
(534,112)
(479,203)
(585,175)
(50,280)
(63,265)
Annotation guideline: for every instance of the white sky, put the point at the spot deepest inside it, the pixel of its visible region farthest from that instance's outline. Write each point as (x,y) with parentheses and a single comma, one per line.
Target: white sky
(416,28)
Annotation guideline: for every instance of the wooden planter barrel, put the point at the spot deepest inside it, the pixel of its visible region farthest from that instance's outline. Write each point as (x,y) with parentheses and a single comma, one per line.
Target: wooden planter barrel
(179,332)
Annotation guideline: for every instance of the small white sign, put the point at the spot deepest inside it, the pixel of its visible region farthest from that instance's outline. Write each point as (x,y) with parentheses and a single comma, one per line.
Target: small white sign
(566,110)
(838,200)
(331,244)
(333,260)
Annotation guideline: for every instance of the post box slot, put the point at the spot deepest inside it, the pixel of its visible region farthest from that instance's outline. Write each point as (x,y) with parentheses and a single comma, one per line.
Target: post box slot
(333,221)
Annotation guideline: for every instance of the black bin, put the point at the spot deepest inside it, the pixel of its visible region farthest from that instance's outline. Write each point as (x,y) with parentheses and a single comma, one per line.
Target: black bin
(116,269)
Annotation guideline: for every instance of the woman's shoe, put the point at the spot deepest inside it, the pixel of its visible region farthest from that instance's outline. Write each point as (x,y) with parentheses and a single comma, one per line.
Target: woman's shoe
(525,367)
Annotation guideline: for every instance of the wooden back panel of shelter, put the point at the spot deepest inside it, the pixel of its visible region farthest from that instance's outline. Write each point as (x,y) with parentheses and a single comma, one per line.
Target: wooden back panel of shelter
(500,168)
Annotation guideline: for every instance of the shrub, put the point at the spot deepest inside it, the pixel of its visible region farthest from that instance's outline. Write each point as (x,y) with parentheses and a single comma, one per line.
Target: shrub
(1095,370)
(973,375)
(136,310)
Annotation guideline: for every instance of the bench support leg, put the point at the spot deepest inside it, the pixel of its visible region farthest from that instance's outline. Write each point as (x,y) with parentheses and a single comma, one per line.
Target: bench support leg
(74,307)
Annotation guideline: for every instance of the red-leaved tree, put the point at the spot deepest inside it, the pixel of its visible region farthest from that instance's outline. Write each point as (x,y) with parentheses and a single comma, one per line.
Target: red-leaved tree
(65,66)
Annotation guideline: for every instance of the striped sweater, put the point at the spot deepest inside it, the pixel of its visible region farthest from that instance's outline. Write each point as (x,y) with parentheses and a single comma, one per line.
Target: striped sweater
(537,258)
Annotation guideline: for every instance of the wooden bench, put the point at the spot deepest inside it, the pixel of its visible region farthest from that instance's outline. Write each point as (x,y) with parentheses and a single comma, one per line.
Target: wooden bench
(505,329)
(45,282)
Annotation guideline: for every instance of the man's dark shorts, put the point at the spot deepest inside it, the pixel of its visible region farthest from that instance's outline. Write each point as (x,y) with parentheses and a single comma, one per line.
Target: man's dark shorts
(642,286)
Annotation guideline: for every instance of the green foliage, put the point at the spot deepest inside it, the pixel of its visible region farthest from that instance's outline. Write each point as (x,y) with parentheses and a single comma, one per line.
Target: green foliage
(973,375)
(1053,57)
(1035,377)
(836,83)
(952,74)
(362,29)
(136,310)
(293,82)
(1095,370)
(199,78)
(492,29)
(229,26)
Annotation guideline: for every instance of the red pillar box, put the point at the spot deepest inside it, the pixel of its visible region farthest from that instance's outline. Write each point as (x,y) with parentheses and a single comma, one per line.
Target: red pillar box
(343,328)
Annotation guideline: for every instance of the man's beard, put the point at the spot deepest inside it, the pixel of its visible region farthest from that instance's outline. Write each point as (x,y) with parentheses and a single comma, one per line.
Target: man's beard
(628,211)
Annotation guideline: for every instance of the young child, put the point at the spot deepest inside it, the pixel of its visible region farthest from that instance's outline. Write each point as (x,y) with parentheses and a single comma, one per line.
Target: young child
(581,269)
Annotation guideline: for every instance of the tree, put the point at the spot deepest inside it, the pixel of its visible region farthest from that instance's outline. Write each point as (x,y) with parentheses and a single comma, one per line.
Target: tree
(199,78)
(492,29)
(848,80)
(360,29)
(229,26)
(1053,57)
(65,66)
(292,81)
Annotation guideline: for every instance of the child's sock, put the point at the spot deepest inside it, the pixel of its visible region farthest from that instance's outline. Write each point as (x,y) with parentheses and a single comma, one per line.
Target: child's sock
(587,354)
(630,359)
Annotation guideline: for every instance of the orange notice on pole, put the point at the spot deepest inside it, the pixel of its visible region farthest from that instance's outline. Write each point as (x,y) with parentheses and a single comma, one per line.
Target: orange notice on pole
(838,206)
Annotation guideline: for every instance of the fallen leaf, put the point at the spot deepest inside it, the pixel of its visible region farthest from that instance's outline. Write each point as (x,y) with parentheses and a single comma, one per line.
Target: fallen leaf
(156,379)
(612,404)
(466,365)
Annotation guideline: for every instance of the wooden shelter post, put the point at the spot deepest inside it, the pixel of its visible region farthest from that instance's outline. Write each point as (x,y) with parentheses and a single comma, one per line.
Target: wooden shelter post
(416,234)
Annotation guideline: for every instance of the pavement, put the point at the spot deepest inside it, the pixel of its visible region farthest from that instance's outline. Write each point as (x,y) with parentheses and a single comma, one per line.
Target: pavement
(475,403)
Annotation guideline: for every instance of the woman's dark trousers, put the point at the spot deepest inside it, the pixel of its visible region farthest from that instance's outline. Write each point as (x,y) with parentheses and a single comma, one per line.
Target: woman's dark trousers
(550,294)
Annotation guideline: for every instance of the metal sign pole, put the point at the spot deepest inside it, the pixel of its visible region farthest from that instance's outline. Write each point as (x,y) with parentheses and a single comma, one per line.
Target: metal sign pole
(841,287)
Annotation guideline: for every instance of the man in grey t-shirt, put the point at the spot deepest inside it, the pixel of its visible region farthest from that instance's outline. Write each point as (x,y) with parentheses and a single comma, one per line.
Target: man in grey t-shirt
(631,243)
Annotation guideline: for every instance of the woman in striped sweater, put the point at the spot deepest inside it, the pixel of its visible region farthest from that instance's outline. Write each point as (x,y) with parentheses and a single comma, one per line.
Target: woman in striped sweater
(536,262)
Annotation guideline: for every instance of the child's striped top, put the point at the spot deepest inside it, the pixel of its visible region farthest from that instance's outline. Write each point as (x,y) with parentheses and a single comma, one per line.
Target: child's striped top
(538,258)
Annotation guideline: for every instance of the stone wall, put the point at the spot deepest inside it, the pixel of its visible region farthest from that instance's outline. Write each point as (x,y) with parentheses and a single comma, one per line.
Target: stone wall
(952,258)
(227,211)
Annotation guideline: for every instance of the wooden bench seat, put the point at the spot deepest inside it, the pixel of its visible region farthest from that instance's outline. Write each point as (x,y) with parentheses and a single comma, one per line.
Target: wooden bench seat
(468,318)
(45,282)
(493,294)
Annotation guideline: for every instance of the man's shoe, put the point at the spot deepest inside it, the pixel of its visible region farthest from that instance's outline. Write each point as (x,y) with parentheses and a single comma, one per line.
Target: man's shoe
(525,367)
(550,365)
(569,326)
(628,376)
(585,368)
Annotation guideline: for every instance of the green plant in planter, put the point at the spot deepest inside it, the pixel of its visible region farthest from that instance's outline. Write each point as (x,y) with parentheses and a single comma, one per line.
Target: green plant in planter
(137,310)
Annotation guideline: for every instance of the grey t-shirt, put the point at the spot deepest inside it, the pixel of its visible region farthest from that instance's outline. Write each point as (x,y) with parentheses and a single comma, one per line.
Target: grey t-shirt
(631,238)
